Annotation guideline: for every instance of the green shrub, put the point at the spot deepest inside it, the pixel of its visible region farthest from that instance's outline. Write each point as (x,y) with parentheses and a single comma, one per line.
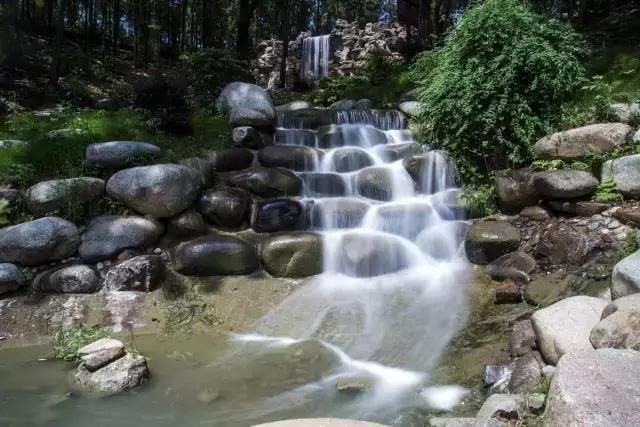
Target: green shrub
(480,199)
(497,83)
(68,342)
(607,192)
(629,246)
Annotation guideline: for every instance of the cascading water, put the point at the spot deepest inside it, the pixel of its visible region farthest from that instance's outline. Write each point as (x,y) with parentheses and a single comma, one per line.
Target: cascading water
(315,58)
(392,294)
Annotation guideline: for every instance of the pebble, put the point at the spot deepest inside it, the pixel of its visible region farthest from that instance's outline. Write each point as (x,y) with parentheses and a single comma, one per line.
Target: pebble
(593,226)
(614,224)
(100,266)
(606,221)
(597,217)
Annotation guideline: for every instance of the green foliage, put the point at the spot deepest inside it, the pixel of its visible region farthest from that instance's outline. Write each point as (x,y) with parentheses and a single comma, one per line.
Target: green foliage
(68,342)
(480,199)
(607,192)
(629,246)
(556,164)
(4,211)
(497,83)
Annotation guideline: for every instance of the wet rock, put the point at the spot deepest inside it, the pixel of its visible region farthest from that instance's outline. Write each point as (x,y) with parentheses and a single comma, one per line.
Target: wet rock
(293,254)
(51,197)
(297,158)
(625,173)
(311,118)
(535,213)
(503,405)
(343,104)
(515,190)
(489,240)
(410,108)
(144,273)
(266,182)
(363,104)
(451,422)
(11,278)
(407,219)
(290,137)
(625,279)
(577,315)
(526,373)
(107,236)
(230,159)
(76,279)
(548,371)
(368,255)
(188,224)
(100,353)
(375,183)
(494,374)
(226,208)
(508,293)
(161,191)
(514,266)
(546,290)
(215,255)
(293,106)
(203,167)
(245,136)
(12,196)
(595,388)
(355,135)
(432,171)
(583,208)
(563,244)
(123,374)
(324,184)
(247,105)
(352,385)
(38,242)
(399,151)
(523,338)
(565,184)
(275,215)
(321,422)
(338,213)
(619,326)
(119,154)
(350,160)
(581,142)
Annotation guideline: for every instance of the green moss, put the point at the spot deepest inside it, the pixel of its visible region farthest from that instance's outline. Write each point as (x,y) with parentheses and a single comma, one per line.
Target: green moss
(607,192)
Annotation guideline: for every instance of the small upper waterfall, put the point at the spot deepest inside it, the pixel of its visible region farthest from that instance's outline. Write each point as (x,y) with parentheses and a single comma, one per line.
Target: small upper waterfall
(315,58)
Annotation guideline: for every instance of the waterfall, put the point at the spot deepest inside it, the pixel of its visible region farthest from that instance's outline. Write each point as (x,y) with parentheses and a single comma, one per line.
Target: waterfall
(315,58)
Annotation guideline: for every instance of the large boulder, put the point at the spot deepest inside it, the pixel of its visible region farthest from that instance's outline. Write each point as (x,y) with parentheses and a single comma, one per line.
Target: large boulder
(119,154)
(215,255)
(278,215)
(489,240)
(526,373)
(294,255)
(304,137)
(324,184)
(620,325)
(515,190)
(348,160)
(226,208)
(11,278)
(161,191)
(565,326)
(39,242)
(515,266)
(230,159)
(298,158)
(107,236)
(75,279)
(578,143)
(375,183)
(410,108)
(142,274)
(50,197)
(267,182)
(523,338)
(595,388)
(561,243)
(625,279)
(625,173)
(247,105)
(203,166)
(122,374)
(565,184)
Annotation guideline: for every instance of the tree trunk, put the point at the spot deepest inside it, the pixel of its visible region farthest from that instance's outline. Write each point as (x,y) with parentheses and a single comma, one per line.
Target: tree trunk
(245,15)
(57,55)
(115,32)
(285,34)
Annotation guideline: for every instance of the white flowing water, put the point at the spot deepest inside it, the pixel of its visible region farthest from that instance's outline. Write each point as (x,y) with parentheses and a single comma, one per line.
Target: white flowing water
(315,58)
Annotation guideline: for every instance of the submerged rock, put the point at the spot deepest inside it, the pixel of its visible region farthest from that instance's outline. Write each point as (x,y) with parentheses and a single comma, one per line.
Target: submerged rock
(368,255)
(123,374)
(215,255)
(119,154)
(338,213)
(324,184)
(619,326)
(489,240)
(50,197)
(11,278)
(375,183)
(350,160)
(39,242)
(293,254)
(546,290)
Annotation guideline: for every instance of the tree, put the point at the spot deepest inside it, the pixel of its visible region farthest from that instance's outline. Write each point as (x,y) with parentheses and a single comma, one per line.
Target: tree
(57,54)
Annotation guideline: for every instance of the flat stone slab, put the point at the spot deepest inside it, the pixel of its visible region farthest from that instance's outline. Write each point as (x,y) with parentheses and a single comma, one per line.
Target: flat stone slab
(320,422)
(100,353)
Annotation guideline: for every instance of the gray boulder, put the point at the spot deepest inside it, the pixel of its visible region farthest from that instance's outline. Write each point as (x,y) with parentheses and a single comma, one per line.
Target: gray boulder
(343,104)
(293,254)
(526,373)
(363,104)
(562,243)
(75,279)
(142,274)
(303,137)
(626,112)
(515,266)
(215,255)
(595,388)
(248,137)
(410,108)
(11,278)
(226,208)
(565,184)
(349,160)
(281,214)
(620,325)
(187,224)
(161,191)
(489,240)
(39,242)
(297,158)
(230,159)
(267,182)
(625,173)
(122,374)
(578,143)
(247,105)
(536,213)
(107,236)
(580,208)
(119,154)
(100,353)
(50,197)
(547,289)
(625,279)
(523,338)
(577,316)
(515,190)
(203,166)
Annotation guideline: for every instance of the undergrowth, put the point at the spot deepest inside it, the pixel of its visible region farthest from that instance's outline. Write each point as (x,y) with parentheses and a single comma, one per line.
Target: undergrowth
(607,192)
(480,199)
(629,246)
(67,343)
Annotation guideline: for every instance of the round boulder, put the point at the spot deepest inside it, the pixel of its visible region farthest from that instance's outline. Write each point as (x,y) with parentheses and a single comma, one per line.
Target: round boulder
(225,208)
(11,278)
(297,158)
(293,255)
(578,143)
(619,326)
(127,372)
(356,135)
(565,184)
(161,191)
(303,137)
(367,255)
(338,213)
(267,182)
(375,183)
(39,242)
(625,279)
(324,184)
(188,224)
(515,190)
(275,215)
(489,240)
(75,279)
(515,266)
(50,197)
(230,159)
(348,160)
(142,274)
(119,154)
(247,105)
(625,173)
(215,255)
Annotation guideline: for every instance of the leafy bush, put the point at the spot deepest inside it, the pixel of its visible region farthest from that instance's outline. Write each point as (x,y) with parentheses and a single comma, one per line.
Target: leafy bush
(480,199)
(629,246)
(68,342)
(607,192)
(497,83)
